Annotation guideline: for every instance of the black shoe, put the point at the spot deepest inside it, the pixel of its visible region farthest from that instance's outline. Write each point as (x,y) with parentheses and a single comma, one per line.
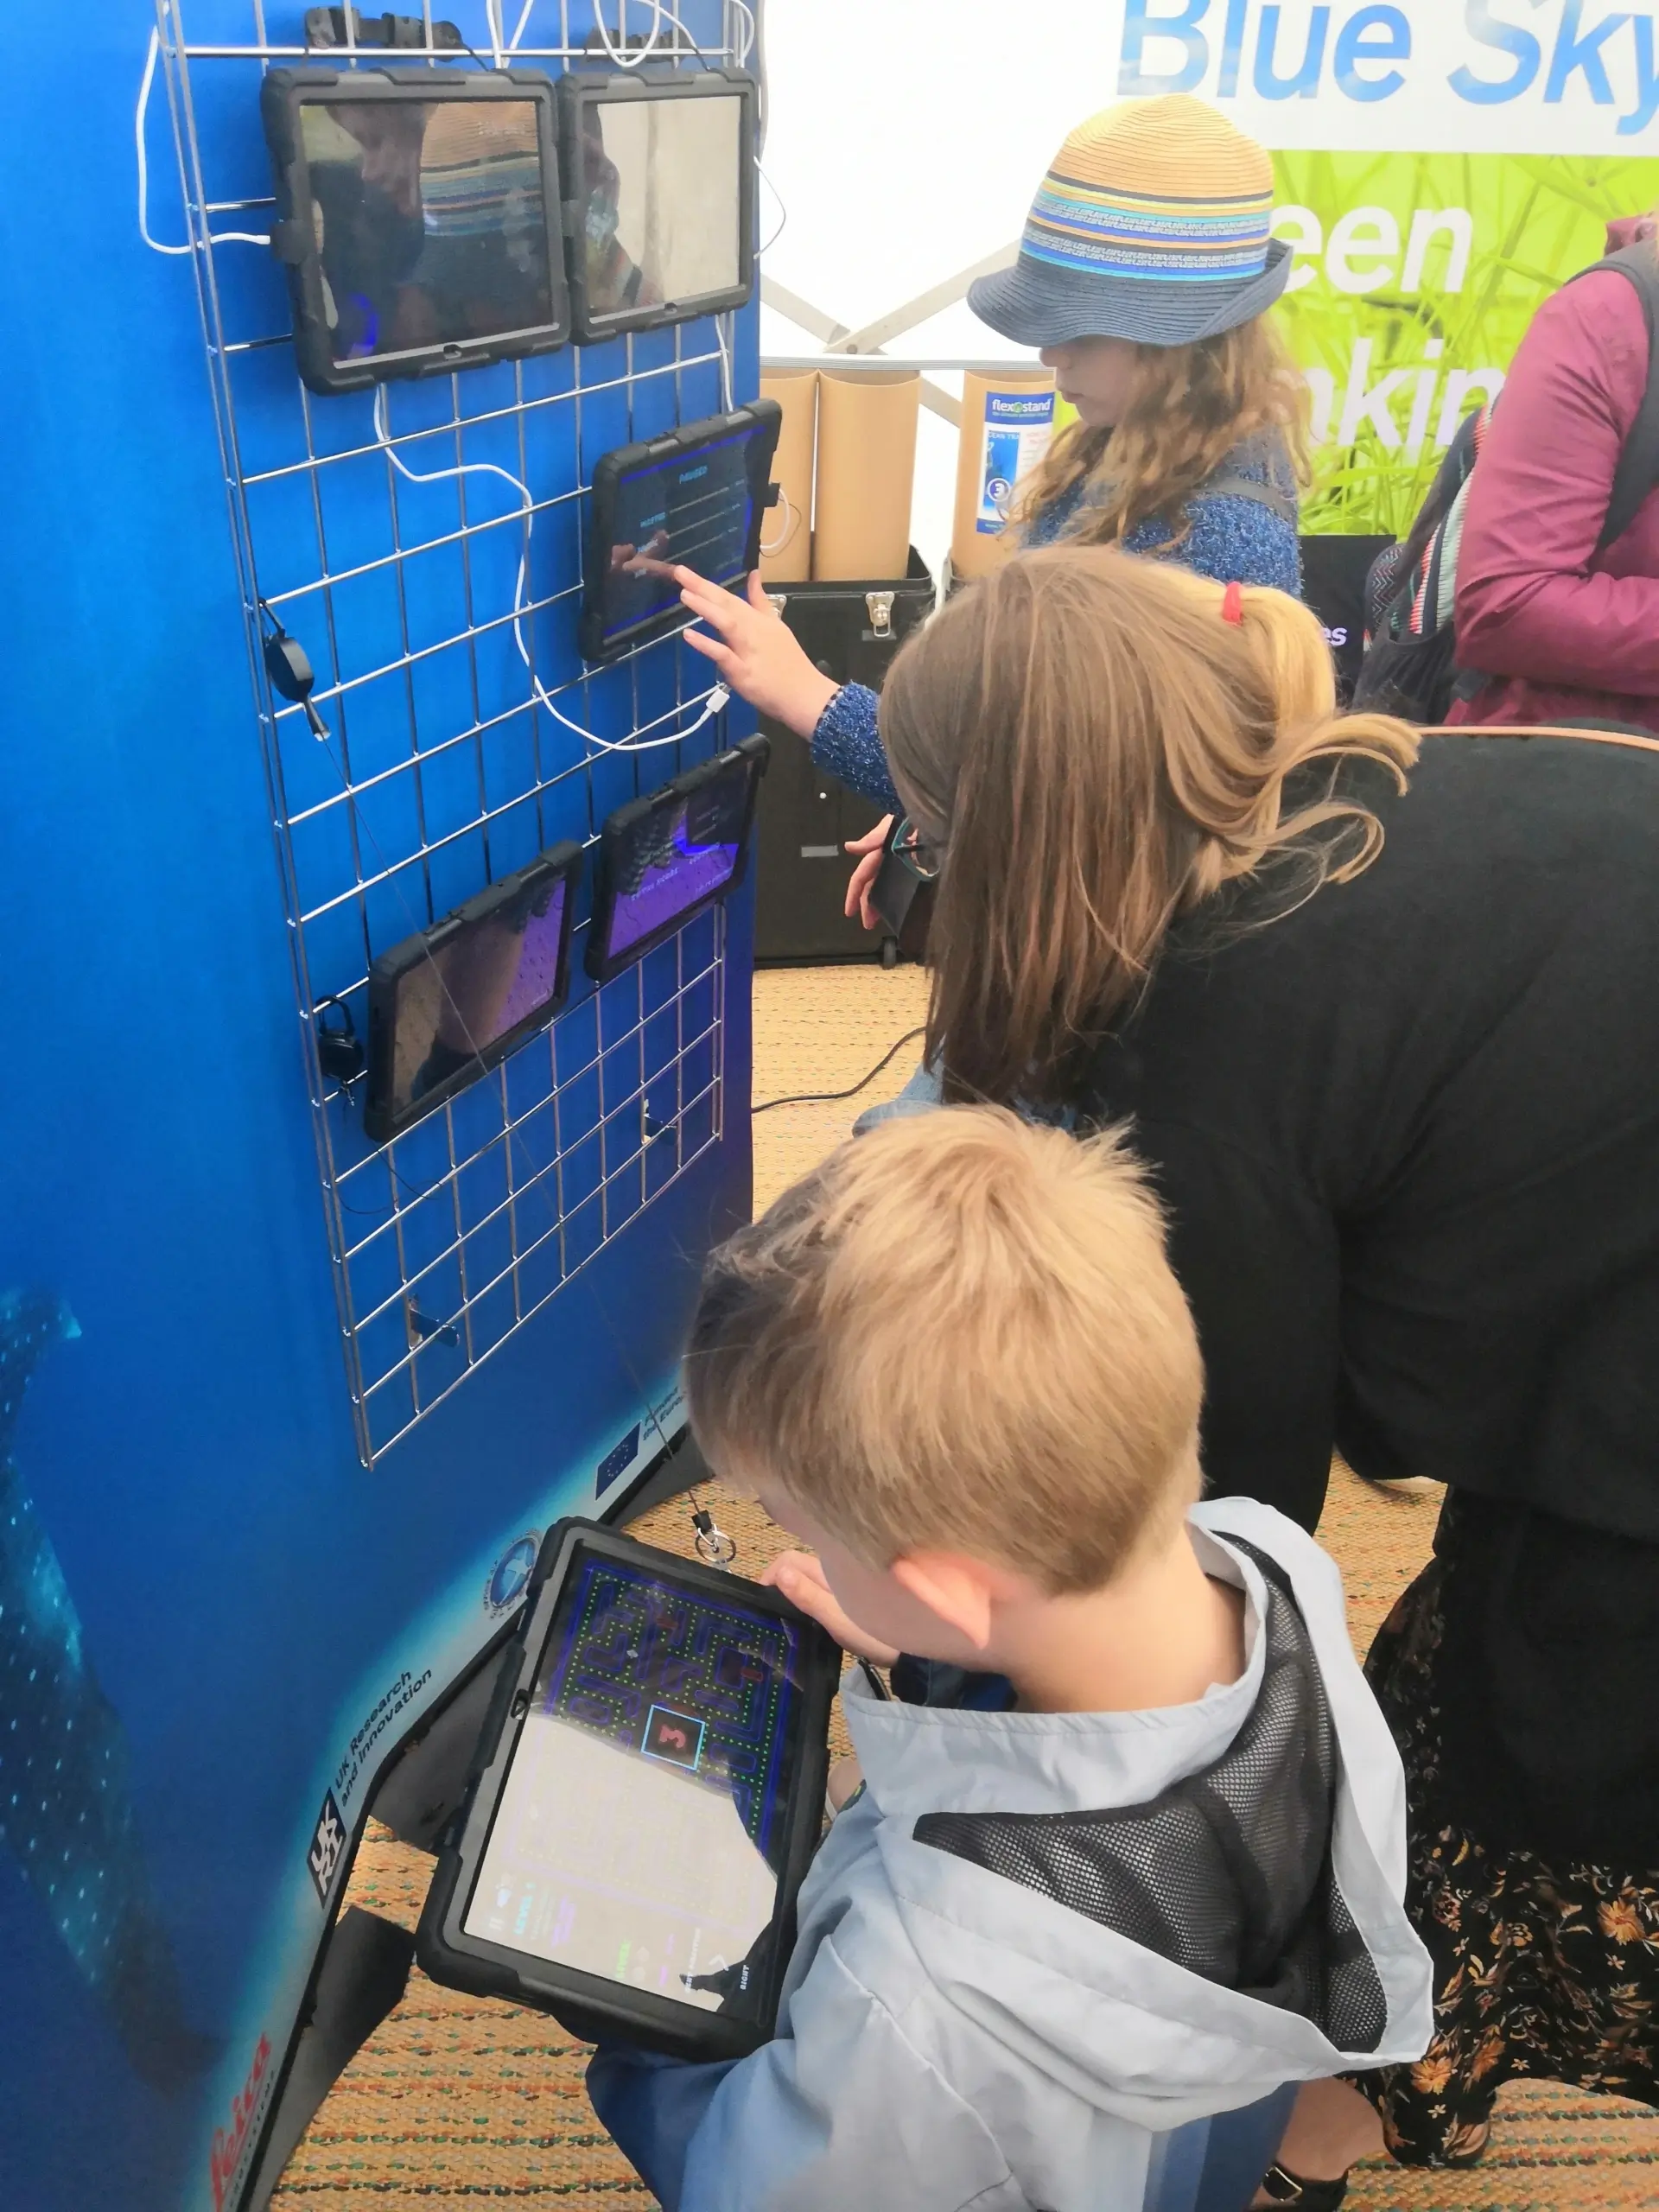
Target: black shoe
(1280,2187)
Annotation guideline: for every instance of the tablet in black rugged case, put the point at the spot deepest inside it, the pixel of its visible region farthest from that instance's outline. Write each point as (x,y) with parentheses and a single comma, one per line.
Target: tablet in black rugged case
(659,187)
(451,1002)
(665,857)
(695,498)
(419,218)
(648,1794)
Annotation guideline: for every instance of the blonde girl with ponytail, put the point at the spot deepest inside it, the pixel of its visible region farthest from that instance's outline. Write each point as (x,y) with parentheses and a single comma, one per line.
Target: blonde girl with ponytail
(1133,738)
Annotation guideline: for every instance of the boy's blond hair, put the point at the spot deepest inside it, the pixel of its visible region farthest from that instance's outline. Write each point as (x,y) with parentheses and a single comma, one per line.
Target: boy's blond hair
(961,1332)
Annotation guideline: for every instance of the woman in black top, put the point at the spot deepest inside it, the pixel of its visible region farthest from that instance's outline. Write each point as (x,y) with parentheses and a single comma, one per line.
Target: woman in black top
(1385,1015)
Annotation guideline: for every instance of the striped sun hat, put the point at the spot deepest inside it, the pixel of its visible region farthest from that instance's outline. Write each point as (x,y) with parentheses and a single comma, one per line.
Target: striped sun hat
(1151,225)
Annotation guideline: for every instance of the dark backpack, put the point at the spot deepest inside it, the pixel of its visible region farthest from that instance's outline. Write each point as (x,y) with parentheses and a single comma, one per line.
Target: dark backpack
(1411,667)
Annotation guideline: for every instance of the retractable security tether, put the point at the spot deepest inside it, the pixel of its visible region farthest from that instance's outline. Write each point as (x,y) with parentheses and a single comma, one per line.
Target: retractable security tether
(340,1051)
(288,666)
(714,1546)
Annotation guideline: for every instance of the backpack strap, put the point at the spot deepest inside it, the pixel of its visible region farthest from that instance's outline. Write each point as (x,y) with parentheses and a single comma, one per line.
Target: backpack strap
(1450,553)
(1638,464)
(1426,570)
(1231,485)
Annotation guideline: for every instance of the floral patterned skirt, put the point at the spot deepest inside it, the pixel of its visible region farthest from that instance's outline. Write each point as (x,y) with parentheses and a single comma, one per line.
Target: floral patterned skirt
(1548,1971)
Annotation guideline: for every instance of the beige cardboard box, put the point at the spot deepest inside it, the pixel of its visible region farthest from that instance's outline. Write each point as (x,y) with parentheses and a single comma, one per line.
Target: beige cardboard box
(867,468)
(786,532)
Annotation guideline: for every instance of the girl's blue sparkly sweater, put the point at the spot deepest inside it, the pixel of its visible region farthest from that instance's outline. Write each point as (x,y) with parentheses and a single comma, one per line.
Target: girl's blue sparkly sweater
(1232,539)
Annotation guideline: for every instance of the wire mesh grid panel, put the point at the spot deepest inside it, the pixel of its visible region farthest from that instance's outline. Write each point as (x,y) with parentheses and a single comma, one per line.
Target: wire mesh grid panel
(423,544)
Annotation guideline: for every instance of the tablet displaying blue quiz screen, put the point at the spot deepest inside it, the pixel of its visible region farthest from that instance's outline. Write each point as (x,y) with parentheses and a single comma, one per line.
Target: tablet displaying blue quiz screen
(641,1827)
(695,509)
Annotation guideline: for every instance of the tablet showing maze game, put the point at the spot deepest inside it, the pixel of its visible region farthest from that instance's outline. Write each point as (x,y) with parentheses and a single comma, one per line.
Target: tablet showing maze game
(643,1826)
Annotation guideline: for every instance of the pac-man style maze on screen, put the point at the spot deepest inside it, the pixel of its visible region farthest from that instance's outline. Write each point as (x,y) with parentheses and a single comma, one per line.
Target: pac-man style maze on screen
(680,1678)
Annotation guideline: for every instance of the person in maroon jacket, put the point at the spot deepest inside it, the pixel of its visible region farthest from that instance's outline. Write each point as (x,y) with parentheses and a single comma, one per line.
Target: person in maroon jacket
(1563,631)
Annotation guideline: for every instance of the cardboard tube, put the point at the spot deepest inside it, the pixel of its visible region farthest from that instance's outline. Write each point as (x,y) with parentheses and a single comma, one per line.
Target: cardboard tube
(788,527)
(866,467)
(1008,419)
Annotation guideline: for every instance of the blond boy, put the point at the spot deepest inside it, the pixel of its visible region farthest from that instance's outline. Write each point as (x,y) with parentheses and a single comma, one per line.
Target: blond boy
(1129,1851)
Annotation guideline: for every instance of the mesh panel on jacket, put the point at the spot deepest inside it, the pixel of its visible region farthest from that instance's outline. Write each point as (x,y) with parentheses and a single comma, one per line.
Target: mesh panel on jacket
(1228,1872)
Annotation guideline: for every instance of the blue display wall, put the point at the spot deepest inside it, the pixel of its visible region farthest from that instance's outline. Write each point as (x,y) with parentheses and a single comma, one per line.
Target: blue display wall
(280,1414)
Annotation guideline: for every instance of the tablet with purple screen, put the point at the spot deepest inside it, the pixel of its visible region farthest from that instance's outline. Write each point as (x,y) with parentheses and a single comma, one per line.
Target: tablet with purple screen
(666,857)
(451,1002)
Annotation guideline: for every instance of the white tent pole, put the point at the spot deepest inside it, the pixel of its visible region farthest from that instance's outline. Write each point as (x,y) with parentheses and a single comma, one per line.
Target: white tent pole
(874,335)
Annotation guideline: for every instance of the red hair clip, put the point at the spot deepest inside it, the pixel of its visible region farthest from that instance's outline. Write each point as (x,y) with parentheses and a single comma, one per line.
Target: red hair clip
(1232,605)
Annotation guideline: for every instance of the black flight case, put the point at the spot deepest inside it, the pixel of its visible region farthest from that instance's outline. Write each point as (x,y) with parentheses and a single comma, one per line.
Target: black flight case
(851,630)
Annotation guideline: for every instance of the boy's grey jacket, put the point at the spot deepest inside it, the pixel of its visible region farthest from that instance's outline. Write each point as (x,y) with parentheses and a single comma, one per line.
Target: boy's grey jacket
(951,2037)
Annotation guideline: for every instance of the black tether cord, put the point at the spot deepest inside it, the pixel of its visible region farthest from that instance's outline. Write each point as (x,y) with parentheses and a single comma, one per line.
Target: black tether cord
(827,1097)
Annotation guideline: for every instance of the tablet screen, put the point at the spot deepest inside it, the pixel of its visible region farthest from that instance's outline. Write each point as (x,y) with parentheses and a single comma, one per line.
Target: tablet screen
(430,220)
(641,1829)
(493,973)
(664,214)
(696,508)
(679,855)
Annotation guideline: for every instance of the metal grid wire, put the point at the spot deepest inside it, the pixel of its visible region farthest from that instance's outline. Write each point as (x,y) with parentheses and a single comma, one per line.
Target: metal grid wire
(440,772)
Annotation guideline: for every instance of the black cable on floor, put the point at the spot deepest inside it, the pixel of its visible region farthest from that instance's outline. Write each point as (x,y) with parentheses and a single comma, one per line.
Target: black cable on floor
(827,1097)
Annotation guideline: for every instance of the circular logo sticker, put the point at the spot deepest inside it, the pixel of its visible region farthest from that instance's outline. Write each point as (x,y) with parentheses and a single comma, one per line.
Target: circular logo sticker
(510,1574)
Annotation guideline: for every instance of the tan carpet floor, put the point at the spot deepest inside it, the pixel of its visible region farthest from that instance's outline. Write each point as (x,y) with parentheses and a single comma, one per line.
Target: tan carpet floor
(457,2100)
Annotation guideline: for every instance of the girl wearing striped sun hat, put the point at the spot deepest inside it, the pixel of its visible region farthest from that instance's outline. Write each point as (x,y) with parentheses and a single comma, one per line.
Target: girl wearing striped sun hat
(1151,225)
(1145,275)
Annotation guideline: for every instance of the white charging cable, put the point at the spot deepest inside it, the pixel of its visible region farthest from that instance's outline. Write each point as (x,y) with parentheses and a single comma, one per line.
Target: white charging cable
(383,436)
(783,212)
(156,245)
(792,516)
(661,13)
(619,57)
(712,702)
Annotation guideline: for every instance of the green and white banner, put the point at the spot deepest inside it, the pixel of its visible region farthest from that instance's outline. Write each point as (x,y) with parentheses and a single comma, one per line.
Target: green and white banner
(1415,277)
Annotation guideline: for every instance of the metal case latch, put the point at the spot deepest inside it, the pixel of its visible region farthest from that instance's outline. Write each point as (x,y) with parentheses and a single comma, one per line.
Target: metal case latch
(880,605)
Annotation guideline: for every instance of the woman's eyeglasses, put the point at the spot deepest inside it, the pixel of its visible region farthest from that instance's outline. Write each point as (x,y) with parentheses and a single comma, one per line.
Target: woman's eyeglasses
(909,846)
